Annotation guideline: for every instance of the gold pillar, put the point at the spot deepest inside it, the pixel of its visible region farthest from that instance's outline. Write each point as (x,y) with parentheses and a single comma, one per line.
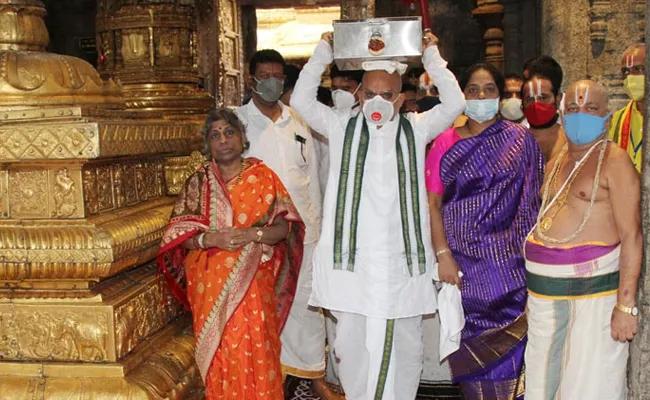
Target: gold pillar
(149,46)
(83,200)
(489,13)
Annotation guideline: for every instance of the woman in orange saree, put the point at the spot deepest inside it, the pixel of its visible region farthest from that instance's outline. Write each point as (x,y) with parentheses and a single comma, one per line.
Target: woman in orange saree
(231,254)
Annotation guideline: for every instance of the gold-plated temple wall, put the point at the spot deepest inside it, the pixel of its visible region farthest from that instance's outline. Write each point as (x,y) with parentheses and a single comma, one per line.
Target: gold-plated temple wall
(87,170)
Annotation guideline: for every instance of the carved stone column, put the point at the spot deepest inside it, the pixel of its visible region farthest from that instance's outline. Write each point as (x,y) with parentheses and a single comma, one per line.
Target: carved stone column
(639,366)
(83,201)
(490,14)
(588,39)
(149,46)
(357,9)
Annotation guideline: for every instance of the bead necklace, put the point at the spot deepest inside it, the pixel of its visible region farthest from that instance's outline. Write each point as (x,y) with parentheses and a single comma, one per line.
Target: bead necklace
(546,204)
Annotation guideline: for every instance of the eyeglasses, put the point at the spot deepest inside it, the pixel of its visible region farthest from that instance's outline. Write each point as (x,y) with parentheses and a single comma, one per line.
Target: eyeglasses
(388,95)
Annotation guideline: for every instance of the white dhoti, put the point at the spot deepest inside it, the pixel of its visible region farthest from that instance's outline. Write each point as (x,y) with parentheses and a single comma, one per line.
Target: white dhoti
(303,336)
(570,352)
(378,358)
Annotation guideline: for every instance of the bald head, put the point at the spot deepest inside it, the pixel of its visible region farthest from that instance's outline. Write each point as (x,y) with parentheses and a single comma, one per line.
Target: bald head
(588,97)
(379,81)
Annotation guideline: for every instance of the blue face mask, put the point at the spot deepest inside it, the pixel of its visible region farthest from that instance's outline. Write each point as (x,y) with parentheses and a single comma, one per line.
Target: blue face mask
(583,128)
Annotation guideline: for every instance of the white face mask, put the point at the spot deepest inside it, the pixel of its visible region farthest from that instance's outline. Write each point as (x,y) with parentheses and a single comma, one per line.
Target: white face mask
(379,111)
(482,110)
(343,99)
(511,109)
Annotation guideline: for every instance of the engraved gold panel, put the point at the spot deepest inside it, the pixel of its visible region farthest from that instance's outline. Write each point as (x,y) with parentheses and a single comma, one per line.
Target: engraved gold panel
(55,332)
(144,309)
(163,370)
(134,307)
(52,192)
(177,169)
(28,196)
(114,185)
(134,47)
(134,138)
(65,189)
(50,141)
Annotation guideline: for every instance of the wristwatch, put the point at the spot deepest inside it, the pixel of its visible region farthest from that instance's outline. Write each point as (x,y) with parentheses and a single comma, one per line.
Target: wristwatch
(259,234)
(628,310)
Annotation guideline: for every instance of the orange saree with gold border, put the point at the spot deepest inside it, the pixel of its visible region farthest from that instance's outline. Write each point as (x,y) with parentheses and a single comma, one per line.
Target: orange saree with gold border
(239,299)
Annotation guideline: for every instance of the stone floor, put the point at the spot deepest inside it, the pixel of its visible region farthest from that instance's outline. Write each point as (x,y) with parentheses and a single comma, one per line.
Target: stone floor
(298,389)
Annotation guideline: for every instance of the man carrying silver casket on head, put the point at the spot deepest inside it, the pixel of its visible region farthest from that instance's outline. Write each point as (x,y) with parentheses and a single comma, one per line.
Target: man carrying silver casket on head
(373,263)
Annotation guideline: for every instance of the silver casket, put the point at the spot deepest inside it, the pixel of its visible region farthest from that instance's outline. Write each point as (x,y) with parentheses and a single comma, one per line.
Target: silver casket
(356,41)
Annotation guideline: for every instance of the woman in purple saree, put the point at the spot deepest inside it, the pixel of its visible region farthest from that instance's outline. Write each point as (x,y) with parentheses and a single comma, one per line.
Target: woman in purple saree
(484,180)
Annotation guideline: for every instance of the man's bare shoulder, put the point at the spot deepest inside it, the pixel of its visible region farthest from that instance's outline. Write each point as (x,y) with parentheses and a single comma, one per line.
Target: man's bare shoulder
(619,165)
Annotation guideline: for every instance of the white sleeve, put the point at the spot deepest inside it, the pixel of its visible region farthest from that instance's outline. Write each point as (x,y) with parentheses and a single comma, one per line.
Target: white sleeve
(452,99)
(303,100)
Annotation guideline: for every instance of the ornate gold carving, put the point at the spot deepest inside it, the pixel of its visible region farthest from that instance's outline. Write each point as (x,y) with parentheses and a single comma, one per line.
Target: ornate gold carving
(51,141)
(65,194)
(28,194)
(105,246)
(131,139)
(31,77)
(12,20)
(153,54)
(230,81)
(117,185)
(91,192)
(105,189)
(51,192)
(165,370)
(145,313)
(168,46)
(46,332)
(177,169)
(134,47)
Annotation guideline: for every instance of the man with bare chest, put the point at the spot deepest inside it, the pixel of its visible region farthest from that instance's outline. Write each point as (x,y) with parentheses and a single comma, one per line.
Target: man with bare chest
(583,260)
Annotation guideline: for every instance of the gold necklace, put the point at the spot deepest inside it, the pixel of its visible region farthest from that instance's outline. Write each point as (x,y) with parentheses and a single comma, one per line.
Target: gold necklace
(237,181)
(594,191)
(562,197)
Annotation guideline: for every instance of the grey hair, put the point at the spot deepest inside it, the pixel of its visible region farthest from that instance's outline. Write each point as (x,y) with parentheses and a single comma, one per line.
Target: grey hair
(222,114)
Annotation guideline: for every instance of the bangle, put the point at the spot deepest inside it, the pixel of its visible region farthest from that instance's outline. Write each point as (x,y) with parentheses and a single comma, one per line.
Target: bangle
(441,252)
(195,242)
(200,240)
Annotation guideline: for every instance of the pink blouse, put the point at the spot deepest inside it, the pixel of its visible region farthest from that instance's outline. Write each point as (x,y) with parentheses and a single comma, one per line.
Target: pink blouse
(432,166)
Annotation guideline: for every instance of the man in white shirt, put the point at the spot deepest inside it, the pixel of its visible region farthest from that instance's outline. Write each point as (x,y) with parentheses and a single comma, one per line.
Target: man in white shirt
(283,141)
(373,263)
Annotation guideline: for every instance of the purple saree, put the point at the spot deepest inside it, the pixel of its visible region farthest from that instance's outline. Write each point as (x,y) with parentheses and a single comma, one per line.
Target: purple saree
(490,202)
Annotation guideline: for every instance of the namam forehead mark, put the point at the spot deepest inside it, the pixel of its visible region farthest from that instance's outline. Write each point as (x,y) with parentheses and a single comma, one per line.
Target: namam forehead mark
(634,56)
(537,86)
(586,91)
